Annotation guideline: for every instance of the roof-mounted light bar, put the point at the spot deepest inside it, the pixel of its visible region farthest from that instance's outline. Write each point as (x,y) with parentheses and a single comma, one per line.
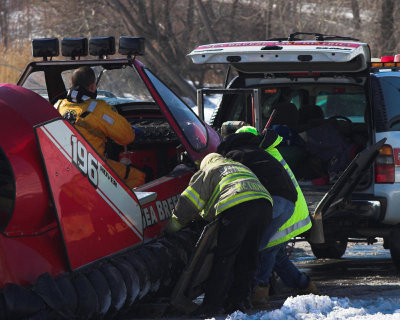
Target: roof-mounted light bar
(45,47)
(74,47)
(131,46)
(386,62)
(101,46)
(79,47)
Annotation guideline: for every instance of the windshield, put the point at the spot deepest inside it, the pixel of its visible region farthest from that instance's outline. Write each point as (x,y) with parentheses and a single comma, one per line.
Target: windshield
(333,100)
(390,87)
(36,82)
(117,86)
(193,129)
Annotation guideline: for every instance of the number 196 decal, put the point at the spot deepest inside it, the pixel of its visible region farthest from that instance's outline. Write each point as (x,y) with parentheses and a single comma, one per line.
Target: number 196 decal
(84,161)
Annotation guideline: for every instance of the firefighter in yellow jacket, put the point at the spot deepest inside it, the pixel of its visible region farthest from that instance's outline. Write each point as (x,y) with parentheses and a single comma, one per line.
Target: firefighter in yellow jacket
(96,120)
(229,191)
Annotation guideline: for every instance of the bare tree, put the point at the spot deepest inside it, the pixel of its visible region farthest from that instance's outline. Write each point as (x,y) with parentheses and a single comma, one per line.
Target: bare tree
(387,27)
(205,20)
(4,23)
(355,8)
(173,28)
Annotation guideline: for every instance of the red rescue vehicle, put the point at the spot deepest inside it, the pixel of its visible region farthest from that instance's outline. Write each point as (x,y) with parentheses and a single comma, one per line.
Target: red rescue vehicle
(75,241)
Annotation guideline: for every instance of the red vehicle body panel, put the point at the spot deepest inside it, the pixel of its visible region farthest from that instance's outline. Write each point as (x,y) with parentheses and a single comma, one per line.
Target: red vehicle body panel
(157,213)
(30,238)
(97,214)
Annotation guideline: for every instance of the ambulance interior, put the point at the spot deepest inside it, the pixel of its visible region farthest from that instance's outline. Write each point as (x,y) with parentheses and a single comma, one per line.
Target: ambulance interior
(341,106)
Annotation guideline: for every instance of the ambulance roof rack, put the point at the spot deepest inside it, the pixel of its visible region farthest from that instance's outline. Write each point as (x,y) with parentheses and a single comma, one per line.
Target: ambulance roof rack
(318,37)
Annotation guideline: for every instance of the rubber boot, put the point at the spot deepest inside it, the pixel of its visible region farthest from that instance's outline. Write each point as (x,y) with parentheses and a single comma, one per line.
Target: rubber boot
(260,297)
(311,288)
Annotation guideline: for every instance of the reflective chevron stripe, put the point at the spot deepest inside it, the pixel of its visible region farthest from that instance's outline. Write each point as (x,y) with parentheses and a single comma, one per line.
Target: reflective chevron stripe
(289,232)
(228,179)
(242,197)
(194,197)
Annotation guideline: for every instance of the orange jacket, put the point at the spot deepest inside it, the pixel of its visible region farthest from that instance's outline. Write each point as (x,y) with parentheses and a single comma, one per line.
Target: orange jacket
(100,121)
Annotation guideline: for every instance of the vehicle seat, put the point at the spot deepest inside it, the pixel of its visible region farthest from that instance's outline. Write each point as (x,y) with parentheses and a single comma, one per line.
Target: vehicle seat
(310,116)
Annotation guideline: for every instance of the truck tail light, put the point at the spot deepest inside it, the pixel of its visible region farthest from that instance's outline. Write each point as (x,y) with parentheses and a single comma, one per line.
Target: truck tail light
(384,165)
(387,59)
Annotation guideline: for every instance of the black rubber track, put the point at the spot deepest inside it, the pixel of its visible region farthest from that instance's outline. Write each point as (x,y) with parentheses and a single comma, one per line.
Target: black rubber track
(153,266)
(21,302)
(117,286)
(142,271)
(47,289)
(103,291)
(68,290)
(131,280)
(88,304)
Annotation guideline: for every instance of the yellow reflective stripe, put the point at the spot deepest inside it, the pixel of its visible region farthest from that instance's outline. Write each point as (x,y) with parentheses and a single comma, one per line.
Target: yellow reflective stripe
(174,224)
(229,178)
(289,236)
(290,172)
(194,197)
(290,232)
(274,152)
(242,197)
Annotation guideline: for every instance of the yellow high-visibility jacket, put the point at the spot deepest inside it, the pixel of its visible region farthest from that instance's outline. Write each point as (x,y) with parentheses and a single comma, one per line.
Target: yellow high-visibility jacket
(219,185)
(300,220)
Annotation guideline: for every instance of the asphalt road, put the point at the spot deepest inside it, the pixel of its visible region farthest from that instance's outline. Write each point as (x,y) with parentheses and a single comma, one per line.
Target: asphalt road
(356,275)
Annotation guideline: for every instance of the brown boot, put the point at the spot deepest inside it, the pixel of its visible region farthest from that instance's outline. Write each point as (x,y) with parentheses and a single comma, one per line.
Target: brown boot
(260,297)
(311,288)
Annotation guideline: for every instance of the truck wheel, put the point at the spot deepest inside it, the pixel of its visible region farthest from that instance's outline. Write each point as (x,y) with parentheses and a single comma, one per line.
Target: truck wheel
(395,246)
(331,249)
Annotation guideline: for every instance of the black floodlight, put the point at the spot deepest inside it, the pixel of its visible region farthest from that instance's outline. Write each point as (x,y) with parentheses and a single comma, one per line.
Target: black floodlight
(131,46)
(101,46)
(74,47)
(45,47)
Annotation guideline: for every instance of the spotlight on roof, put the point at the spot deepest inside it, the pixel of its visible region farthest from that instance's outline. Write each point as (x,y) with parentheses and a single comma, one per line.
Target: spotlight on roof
(74,47)
(131,46)
(101,46)
(45,47)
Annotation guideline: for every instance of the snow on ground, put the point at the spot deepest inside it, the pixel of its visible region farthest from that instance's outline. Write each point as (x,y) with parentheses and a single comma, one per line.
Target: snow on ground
(311,307)
(324,307)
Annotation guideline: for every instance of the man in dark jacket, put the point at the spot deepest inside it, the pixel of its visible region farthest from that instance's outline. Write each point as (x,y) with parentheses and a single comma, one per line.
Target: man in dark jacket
(245,147)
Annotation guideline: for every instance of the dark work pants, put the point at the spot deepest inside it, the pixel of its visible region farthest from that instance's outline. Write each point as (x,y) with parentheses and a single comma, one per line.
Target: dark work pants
(236,256)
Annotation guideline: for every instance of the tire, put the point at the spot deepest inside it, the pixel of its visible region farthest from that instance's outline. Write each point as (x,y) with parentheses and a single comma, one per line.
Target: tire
(333,249)
(395,246)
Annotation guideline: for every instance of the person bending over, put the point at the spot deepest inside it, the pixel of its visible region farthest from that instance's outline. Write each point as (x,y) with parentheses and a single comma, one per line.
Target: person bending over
(228,191)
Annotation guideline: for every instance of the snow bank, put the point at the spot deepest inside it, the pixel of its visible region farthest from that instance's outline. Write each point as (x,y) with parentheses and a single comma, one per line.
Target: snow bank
(311,307)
